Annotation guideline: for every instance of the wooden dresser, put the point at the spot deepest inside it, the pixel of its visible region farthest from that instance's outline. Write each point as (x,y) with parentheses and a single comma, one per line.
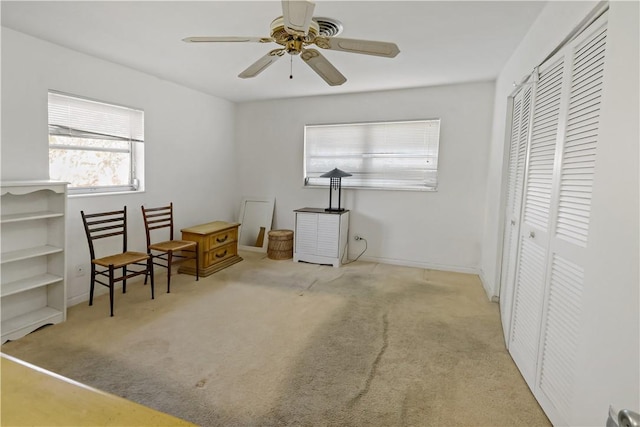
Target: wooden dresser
(217,247)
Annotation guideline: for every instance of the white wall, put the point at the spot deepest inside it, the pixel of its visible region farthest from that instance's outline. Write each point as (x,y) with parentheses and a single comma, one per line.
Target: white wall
(607,369)
(440,229)
(189,140)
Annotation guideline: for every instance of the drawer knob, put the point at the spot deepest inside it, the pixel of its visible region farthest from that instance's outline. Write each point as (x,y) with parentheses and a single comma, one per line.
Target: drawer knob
(222,255)
(223,239)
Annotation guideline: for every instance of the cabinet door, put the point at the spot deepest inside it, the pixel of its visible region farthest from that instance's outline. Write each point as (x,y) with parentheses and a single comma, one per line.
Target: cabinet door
(306,233)
(328,233)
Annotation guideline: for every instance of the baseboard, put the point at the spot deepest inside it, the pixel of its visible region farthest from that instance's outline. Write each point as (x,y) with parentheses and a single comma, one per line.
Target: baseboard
(99,290)
(78,299)
(419,264)
(488,289)
(84,297)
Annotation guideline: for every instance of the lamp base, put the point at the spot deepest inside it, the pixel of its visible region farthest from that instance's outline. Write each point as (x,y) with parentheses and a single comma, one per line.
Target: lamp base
(334,210)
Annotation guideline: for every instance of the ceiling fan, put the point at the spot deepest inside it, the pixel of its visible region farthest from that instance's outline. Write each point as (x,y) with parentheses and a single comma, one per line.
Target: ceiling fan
(296,30)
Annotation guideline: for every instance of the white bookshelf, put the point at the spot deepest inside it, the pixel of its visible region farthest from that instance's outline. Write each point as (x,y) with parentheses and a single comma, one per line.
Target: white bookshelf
(32,257)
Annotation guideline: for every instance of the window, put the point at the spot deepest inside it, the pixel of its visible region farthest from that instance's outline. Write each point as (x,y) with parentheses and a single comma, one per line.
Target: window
(385,155)
(96,147)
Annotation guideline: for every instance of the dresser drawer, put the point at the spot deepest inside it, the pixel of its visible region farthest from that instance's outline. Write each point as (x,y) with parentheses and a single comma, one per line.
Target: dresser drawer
(220,239)
(220,254)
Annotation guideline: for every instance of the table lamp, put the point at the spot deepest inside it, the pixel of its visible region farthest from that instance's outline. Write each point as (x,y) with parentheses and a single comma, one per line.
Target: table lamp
(336,176)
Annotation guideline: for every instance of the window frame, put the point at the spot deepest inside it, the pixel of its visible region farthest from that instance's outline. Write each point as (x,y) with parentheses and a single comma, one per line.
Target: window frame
(313,182)
(134,148)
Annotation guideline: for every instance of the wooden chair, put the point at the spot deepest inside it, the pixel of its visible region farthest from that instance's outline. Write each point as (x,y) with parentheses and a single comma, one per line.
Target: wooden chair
(168,251)
(115,267)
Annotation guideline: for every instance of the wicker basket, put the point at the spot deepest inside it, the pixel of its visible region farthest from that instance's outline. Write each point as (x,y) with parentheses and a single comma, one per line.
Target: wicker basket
(280,244)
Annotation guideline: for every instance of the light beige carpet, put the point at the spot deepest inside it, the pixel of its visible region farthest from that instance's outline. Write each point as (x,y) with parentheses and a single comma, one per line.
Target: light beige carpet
(276,343)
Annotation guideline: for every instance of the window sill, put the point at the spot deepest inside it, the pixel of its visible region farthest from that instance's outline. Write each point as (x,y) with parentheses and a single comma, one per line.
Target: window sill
(107,193)
(427,189)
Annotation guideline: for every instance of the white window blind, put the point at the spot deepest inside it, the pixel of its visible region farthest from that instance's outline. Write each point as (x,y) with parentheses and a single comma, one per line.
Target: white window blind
(384,155)
(95,146)
(83,118)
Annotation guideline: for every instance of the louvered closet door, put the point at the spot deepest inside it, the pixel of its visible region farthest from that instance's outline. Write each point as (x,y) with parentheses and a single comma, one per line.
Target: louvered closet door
(570,227)
(554,234)
(517,156)
(533,237)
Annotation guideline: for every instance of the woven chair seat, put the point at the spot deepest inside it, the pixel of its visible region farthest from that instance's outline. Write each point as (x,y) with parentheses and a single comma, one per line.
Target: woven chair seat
(172,245)
(120,260)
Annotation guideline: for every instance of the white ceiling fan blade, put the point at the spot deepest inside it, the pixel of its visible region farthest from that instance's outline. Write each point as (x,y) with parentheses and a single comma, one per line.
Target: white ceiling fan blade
(366,47)
(227,39)
(324,68)
(297,15)
(261,64)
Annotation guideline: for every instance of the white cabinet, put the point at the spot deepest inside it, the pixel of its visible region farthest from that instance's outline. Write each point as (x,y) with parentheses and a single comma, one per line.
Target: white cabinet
(33,270)
(321,236)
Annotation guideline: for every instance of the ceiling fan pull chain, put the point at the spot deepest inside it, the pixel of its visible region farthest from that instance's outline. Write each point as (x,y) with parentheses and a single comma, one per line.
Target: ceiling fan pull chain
(291,68)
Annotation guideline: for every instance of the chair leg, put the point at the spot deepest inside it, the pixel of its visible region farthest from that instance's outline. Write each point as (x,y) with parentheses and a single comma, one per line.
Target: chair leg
(150,271)
(124,282)
(169,261)
(146,274)
(111,286)
(197,266)
(93,283)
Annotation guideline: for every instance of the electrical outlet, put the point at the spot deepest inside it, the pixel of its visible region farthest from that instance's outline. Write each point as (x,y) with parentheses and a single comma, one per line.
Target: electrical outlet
(80,271)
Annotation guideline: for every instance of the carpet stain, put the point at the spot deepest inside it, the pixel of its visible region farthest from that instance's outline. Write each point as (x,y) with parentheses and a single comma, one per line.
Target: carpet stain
(201,383)
(376,362)
(309,287)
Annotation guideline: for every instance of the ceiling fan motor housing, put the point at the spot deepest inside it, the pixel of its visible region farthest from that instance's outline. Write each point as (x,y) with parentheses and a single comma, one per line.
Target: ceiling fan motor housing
(293,43)
(280,35)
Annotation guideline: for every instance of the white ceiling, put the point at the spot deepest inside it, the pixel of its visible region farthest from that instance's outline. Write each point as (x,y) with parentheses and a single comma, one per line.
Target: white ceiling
(440,42)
